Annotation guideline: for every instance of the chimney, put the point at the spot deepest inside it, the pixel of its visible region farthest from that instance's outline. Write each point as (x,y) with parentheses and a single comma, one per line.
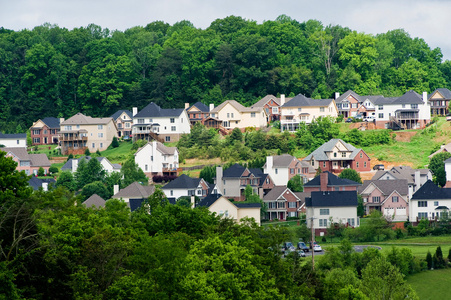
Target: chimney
(282,99)
(193,203)
(269,164)
(61,120)
(219,182)
(337,94)
(74,165)
(323,179)
(186,105)
(115,189)
(135,111)
(425,97)
(212,106)
(417,179)
(45,186)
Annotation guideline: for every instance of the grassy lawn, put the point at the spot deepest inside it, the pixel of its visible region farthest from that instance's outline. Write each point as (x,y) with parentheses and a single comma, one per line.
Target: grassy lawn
(119,154)
(431,284)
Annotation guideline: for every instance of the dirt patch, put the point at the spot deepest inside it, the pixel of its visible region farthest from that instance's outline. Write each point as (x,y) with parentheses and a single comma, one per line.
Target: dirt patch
(404,136)
(198,162)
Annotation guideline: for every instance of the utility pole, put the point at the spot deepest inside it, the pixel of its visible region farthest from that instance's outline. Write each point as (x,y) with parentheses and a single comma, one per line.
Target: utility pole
(313,243)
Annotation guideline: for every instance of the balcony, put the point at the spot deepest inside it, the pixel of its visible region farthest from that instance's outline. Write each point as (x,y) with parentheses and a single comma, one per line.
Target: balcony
(72,138)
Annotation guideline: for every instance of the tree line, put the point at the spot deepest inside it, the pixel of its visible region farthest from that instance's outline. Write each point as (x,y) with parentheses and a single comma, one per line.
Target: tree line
(53,71)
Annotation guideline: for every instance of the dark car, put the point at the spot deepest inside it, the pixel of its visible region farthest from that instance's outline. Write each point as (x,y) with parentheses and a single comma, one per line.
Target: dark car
(348,120)
(288,247)
(379,167)
(303,246)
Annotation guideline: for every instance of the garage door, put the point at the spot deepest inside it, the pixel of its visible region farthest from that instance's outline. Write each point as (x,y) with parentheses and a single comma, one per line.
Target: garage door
(401,211)
(389,211)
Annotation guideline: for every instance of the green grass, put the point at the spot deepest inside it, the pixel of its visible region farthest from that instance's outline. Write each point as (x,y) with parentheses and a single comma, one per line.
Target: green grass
(431,284)
(119,154)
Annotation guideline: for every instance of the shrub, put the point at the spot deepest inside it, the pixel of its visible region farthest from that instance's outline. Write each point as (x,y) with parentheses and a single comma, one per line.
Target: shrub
(115,142)
(53,170)
(41,171)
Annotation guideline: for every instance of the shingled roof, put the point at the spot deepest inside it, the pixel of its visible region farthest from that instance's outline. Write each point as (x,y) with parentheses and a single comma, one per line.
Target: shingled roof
(81,119)
(52,122)
(446,94)
(95,200)
(410,97)
(183,182)
(154,111)
(262,102)
(387,186)
(301,100)
(320,153)
(332,180)
(200,106)
(430,191)
(135,190)
(119,113)
(332,199)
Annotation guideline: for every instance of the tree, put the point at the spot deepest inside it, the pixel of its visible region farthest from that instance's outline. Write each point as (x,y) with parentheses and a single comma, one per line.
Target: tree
(295,184)
(437,167)
(88,172)
(41,171)
(67,180)
(132,172)
(351,174)
(429,260)
(115,142)
(96,187)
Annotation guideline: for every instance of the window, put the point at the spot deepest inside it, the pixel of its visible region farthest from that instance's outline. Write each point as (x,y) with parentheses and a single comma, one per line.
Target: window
(226,214)
(146,167)
(172,120)
(127,125)
(335,154)
(167,138)
(25,163)
(313,162)
(381,116)
(275,110)
(435,203)
(281,204)
(231,115)
(292,204)
(343,154)
(291,171)
(36,132)
(101,145)
(364,164)
(422,215)
(395,199)
(376,199)
(173,128)
(414,106)
(324,164)
(422,204)
(351,222)
(299,109)
(172,193)
(140,121)
(100,134)
(381,107)
(361,154)
(324,211)
(93,145)
(276,170)
(199,192)
(252,115)
(321,109)
(357,164)
(354,105)
(99,127)
(292,214)
(322,222)
(36,140)
(272,205)
(68,128)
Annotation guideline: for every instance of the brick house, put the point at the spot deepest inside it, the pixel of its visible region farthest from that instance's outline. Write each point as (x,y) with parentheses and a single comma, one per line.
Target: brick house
(45,131)
(337,155)
(271,105)
(328,182)
(30,163)
(282,203)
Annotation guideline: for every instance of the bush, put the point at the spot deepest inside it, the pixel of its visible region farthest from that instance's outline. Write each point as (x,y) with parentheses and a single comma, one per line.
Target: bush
(115,142)
(53,170)
(41,171)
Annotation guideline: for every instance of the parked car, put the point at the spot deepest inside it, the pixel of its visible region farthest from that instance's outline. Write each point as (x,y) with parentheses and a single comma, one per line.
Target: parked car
(301,253)
(369,119)
(348,120)
(379,167)
(288,247)
(303,246)
(317,248)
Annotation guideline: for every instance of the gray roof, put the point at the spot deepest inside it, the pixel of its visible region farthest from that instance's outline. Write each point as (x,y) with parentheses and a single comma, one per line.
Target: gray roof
(443,91)
(95,200)
(387,186)
(276,192)
(347,94)
(332,180)
(20,152)
(283,160)
(36,160)
(429,191)
(52,122)
(262,102)
(301,100)
(237,106)
(154,111)
(81,119)
(200,106)
(39,160)
(183,182)
(332,199)
(119,113)
(209,200)
(135,190)
(68,164)
(36,182)
(320,153)
(411,97)
(13,135)
(401,172)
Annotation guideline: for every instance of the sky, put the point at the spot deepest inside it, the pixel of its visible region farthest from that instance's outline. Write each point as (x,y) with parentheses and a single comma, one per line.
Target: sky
(425,19)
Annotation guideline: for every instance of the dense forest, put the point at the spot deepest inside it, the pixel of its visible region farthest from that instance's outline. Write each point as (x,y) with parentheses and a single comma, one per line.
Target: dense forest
(53,71)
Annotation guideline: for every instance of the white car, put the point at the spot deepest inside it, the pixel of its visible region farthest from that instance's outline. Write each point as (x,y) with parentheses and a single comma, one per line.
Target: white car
(317,248)
(369,119)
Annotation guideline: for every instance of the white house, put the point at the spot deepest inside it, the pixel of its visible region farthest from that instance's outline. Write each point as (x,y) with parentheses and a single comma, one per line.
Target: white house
(156,159)
(338,207)
(164,125)
(410,111)
(430,202)
(72,164)
(186,186)
(282,168)
(13,140)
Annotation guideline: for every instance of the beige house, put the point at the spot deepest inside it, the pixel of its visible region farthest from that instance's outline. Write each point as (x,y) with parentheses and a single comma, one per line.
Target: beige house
(234,210)
(81,132)
(235,115)
(302,109)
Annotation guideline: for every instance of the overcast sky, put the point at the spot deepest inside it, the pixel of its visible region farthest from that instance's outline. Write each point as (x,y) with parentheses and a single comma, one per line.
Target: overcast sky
(427,19)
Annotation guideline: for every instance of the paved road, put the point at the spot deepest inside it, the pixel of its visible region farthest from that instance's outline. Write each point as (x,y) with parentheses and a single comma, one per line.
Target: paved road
(360,248)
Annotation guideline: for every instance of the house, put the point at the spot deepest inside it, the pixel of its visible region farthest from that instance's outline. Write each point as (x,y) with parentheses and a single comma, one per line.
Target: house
(443,148)
(198,112)
(45,131)
(337,155)
(284,167)
(156,123)
(234,115)
(439,101)
(124,121)
(72,164)
(134,194)
(271,105)
(95,200)
(156,159)
(429,202)
(81,132)
(13,140)
(390,197)
(220,205)
(37,183)
(282,203)
(232,182)
(328,182)
(302,109)
(410,111)
(186,186)
(415,177)
(30,163)
(336,207)
(351,104)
